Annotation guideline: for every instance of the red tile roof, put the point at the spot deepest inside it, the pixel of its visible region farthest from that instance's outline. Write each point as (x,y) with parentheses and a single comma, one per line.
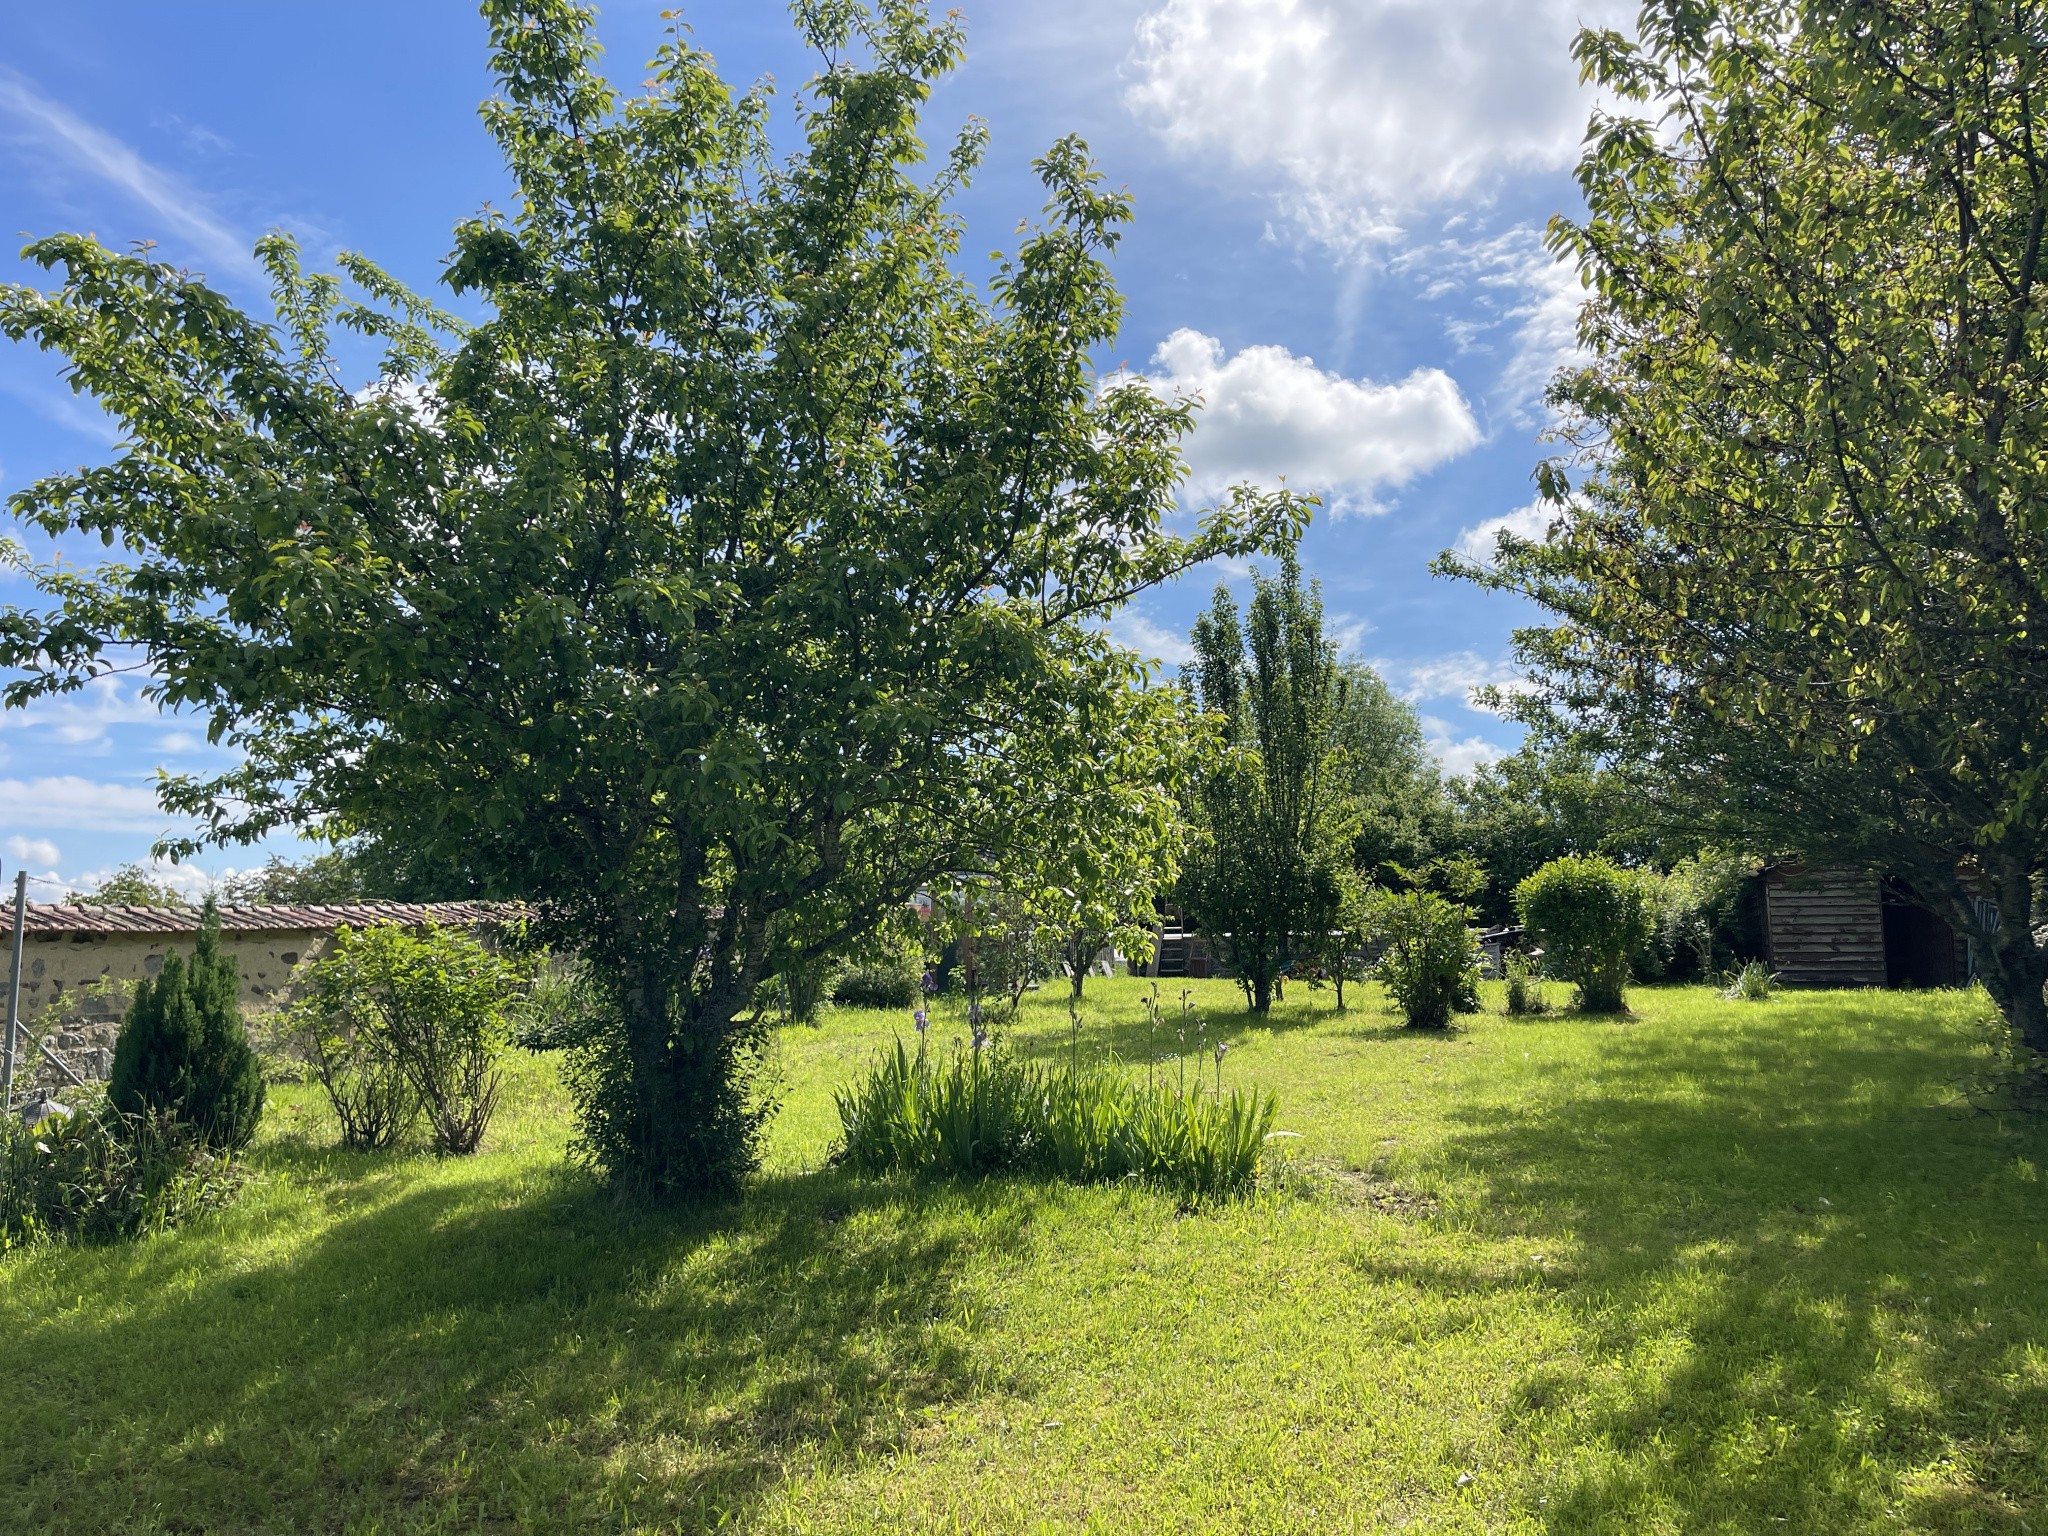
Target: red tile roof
(56,917)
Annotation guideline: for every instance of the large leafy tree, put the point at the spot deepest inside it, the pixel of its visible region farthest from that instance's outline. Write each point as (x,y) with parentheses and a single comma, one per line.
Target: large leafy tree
(1274,820)
(1801,563)
(739,571)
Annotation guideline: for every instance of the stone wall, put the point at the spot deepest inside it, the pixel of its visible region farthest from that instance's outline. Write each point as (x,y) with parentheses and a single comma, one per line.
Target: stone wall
(76,986)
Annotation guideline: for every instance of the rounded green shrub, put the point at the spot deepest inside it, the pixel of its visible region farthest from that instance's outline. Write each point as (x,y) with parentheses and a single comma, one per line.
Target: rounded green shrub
(1430,965)
(183,1050)
(1590,916)
(875,986)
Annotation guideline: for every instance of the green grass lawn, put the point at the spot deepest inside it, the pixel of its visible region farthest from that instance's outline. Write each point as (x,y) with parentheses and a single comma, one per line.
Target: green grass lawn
(1718,1267)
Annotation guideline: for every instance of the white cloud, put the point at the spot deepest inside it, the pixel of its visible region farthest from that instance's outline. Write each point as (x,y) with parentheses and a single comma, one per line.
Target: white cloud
(81,719)
(1456,676)
(188,880)
(1345,631)
(33,850)
(1370,109)
(1457,756)
(1152,641)
(1517,302)
(60,134)
(1267,414)
(174,743)
(69,803)
(1478,544)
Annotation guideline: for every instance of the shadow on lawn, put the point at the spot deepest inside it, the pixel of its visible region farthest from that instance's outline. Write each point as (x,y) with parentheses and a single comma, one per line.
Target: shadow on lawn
(454,1357)
(1117,1024)
(1838,1282)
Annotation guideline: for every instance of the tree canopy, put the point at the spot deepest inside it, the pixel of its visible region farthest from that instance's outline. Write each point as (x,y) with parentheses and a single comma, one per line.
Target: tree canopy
(740,571)
(1800,560)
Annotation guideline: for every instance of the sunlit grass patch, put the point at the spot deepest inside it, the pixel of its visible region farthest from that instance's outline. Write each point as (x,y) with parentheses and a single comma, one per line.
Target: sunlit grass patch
(1712,1267)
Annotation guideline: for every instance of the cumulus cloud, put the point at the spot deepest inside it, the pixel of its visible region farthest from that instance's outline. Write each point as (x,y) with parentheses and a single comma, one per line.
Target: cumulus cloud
(1152,641)
(1346,631)
(1458,755)
(1456,676)
(1480,543)
(1268,414)
(33,850)
(1369,109)
(67,802)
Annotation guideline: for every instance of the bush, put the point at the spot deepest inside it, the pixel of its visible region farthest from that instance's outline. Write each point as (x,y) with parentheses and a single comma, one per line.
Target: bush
(355,1062)
(1524,985)
(430,1003)
(1430,966)
(721,1107)
(1708,919)
(1590,916)
(983,1111)
(183,1049)
(877,986)
(561,1008)
(103,1174)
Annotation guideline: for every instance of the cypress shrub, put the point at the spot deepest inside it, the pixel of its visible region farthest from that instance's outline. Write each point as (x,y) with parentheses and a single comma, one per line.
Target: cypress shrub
(184,1051)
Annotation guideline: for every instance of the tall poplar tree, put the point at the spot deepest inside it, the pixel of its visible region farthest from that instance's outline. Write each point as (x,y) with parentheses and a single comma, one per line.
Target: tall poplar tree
(1263,875)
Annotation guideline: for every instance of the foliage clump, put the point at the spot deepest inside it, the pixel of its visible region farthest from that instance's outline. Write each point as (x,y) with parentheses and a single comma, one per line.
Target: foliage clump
(886,969)
(102,1174)
(131,885)
(1754,983)
(184,1050)
(1430,965)
(403,1021)
(1524,990)
(1591,917)
(980,1111)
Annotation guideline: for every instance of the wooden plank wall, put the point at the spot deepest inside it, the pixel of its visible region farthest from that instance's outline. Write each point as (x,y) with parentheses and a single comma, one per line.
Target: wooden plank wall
(1825,928)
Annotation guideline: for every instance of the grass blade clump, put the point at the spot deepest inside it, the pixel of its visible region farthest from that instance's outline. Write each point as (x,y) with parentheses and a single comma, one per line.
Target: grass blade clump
(983,1111)
(1754,983)
(105,1173)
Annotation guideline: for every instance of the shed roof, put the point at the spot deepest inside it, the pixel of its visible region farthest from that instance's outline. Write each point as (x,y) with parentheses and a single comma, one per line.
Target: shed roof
(63,917)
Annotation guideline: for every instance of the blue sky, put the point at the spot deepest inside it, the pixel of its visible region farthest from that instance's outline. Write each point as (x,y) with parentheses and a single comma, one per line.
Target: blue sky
(1340,205)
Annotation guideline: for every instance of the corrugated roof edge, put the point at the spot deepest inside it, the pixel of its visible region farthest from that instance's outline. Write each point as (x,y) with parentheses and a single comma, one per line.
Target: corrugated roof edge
(61,917)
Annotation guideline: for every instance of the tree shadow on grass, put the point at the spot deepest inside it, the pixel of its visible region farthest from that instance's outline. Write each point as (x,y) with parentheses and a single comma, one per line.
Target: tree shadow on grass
(1807,1294)
(1119,1027)
(490,1354)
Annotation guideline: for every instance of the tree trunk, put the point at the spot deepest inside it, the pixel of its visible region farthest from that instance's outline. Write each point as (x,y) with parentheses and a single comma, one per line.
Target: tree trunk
(683,1123)
(2016,968)
(1262,993)
(1340,983)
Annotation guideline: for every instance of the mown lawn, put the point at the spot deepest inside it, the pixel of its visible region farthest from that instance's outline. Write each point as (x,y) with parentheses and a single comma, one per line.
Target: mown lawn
(1720,1267)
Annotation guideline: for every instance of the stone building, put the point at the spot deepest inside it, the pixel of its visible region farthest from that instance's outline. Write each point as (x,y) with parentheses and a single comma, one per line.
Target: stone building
(79,964)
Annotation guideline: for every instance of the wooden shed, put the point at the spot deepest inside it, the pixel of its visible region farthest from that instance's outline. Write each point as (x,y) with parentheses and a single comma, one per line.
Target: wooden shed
(1834,926)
